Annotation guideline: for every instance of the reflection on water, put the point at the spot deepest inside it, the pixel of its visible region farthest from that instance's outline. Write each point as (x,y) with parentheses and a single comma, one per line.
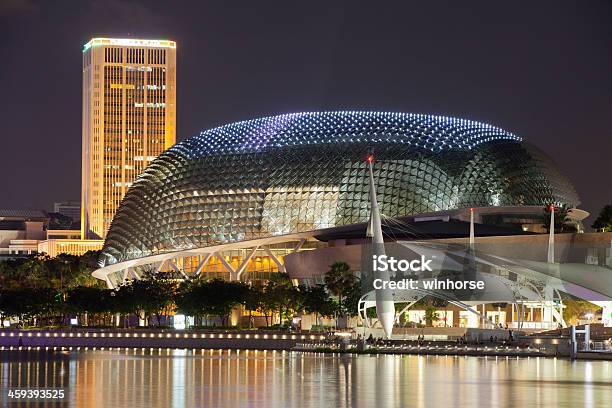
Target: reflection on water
(212,378)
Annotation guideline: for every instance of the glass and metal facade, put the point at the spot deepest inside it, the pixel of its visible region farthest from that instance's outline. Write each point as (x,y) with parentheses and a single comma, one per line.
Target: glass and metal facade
(307,171)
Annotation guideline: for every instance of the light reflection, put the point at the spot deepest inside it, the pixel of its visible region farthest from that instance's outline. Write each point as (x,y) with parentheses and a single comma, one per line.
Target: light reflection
(168,377)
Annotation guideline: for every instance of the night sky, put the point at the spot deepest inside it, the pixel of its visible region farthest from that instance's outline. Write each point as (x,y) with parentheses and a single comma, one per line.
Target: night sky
(541,69)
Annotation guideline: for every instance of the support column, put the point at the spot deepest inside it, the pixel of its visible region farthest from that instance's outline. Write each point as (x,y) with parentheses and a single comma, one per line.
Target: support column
(174,266)
(551,235)
(245,262)
(281,267)
(299,245)
(202,264)
(226,265)
(472,235)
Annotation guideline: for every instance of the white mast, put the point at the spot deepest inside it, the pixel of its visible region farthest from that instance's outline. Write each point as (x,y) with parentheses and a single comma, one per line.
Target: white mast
(551,235)
(472,238)
(385,308)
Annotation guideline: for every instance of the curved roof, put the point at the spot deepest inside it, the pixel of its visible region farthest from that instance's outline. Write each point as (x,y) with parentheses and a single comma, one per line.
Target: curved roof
(312,128)
(306,171)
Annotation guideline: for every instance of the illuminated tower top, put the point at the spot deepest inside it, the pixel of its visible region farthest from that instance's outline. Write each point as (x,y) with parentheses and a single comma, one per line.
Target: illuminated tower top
(128,42)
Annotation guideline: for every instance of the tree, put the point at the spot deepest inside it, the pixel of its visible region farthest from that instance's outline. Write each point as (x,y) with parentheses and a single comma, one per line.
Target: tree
(33,272)
(317,301)
(430,315)
(280,294)
(215,297)
(222,296)
(254,302)
(436,303)
(154,294)
(562,220)
(351,296)
(269,303)
(87,263)
(123,301)
(88,300)
(603,222)
(186,299)
(41,271)
(27,303)
(338,279)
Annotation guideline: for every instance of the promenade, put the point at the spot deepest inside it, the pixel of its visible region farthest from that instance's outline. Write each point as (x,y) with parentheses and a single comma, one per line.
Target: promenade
(153,338)
(108,338)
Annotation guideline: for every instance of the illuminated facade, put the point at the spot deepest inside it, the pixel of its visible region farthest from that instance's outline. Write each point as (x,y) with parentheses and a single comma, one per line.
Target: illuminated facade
(28,232)
(291,193)
(295,173)
(129,114)
(54,247)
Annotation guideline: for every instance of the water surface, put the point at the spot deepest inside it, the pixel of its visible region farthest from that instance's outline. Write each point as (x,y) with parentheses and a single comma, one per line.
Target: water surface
(215,378)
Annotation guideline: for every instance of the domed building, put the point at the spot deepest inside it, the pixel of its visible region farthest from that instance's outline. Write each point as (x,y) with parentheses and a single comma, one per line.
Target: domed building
(298,177)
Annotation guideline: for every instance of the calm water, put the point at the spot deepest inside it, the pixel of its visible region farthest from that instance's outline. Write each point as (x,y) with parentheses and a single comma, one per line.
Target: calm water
(213,378)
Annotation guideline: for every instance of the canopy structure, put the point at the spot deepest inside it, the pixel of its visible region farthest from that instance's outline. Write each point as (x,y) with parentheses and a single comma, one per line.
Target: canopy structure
(506,279)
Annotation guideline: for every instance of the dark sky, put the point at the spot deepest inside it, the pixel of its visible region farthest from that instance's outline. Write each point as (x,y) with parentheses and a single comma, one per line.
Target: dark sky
(542,69)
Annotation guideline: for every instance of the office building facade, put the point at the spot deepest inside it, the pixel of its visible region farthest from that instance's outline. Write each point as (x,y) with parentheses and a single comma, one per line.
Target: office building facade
(129,118)
(70,209)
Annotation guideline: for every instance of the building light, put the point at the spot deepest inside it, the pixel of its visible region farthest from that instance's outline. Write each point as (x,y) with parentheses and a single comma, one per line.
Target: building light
(129,42)
(178,321)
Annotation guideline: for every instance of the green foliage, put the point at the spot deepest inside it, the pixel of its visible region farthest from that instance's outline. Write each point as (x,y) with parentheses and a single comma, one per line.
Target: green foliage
(215,297)
(84,299)
(27,303)
(153,294)
(186,299)
(341,281)
(562,220)
(317,301)
(603,222)
(338,278)
(430,315)
(49,288)
(41,271)
(253,299)
(282,296)
(350,298)
(253,302)
(37,286)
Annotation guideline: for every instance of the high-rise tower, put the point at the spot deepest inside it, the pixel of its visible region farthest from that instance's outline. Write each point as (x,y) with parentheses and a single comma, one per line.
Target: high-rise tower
(129,118)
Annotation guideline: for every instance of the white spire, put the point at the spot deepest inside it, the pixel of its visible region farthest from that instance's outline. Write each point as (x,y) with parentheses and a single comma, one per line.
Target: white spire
(551,235)
(472,238)
(385,308)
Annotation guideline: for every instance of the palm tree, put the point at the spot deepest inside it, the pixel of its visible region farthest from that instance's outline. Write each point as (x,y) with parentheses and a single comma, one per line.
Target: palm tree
(339,279)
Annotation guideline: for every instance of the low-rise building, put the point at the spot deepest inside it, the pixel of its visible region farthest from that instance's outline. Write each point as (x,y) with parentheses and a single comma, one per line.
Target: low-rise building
(28,232)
